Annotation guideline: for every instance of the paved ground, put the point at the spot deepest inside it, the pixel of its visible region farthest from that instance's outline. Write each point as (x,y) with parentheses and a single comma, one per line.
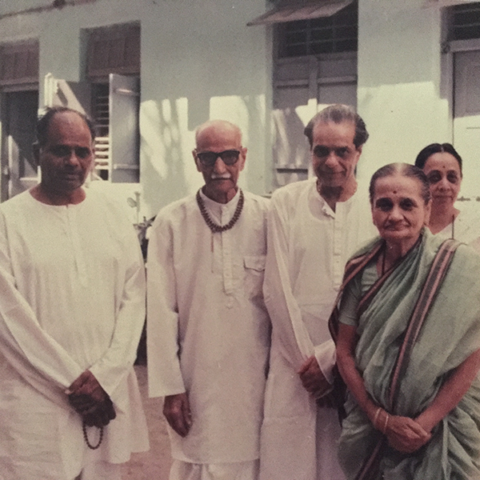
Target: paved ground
(155,464)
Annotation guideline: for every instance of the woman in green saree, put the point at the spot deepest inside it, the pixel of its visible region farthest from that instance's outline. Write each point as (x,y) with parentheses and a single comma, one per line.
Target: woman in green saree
(408,339)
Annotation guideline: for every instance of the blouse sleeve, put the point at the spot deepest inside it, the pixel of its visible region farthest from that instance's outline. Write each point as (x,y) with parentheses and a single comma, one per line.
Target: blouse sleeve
(354,292)
(349,303)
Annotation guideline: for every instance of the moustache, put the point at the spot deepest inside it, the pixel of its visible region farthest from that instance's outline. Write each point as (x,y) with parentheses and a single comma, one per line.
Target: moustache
(225,176)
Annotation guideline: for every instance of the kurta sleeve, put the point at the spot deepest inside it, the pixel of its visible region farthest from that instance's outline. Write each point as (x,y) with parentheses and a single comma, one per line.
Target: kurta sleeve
(284,311)
(111,369)
(164,373)
(23,342)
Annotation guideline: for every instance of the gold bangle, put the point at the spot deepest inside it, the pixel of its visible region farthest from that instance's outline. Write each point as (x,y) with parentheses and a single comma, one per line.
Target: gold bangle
(386,423)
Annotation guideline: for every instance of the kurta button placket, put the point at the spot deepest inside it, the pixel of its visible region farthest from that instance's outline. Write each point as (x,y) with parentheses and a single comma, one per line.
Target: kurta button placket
(78,252)
(338,227)
(227,258)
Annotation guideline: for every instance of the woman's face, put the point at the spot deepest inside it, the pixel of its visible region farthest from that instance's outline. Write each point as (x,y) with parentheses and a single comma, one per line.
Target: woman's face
(398,209)
(444,175)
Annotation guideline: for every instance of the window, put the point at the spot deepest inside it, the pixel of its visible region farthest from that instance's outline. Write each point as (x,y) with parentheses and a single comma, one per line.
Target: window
(315,65)
(337,33)
(113,69)
(18,115)
(465,22)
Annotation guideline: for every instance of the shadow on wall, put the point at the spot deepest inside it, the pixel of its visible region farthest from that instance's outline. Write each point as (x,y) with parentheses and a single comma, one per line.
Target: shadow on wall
(162,156)
(259,168)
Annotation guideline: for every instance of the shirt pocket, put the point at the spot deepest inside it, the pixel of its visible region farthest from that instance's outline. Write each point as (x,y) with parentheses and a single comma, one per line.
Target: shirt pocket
(254,269)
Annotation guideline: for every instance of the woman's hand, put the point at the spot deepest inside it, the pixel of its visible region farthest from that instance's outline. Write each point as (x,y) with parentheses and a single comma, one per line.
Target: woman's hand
(405,434)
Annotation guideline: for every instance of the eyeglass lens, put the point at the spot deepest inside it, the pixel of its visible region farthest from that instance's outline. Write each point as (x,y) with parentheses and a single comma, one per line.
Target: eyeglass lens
(229,157)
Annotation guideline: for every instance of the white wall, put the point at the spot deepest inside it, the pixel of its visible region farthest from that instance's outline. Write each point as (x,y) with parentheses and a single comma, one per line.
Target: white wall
(204,63)
(400,91)
(199,61)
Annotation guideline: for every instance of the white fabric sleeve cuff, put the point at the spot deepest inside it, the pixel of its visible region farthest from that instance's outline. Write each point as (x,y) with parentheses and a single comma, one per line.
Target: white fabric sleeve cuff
(326,356)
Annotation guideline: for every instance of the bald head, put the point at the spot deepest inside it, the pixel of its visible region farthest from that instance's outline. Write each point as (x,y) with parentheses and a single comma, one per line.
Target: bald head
(217,129)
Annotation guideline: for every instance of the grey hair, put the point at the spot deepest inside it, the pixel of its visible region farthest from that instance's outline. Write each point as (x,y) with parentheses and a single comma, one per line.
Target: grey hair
(405,170)
(339,113)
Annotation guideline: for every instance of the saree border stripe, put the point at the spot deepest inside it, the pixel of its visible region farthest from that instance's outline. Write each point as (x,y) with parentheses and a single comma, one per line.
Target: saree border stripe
(435,277)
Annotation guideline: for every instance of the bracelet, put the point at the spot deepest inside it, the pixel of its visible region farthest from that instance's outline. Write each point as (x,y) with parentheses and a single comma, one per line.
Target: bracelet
(375,418)
(386,424)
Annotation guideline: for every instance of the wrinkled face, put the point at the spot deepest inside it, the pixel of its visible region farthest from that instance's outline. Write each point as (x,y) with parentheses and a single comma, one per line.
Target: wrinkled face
(220,177)
(398,209)
(67,157)
(334,155)
(445,178)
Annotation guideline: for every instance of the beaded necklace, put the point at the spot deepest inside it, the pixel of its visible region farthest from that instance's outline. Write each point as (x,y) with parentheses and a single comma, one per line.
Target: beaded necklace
(211,224)
(87,441)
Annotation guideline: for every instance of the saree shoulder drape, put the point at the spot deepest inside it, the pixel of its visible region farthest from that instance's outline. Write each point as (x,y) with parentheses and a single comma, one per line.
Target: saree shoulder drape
(451,332)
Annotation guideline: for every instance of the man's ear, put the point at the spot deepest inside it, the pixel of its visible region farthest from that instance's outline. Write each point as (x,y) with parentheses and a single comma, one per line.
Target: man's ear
(92,163)
(36,152)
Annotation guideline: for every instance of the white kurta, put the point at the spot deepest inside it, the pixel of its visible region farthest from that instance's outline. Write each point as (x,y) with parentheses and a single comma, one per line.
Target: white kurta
(208,330)
(466,227)
(78,304)
(308,246)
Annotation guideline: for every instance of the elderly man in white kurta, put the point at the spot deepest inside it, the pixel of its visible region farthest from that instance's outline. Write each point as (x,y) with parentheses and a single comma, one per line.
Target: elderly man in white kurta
(208,331)
(71,312)
(314,226)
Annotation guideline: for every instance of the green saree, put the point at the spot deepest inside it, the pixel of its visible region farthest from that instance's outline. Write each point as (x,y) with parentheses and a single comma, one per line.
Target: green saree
(450,333)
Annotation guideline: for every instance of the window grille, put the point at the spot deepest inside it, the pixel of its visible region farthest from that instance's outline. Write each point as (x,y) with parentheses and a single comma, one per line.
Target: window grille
(465,22)
(101,120)
(337,33)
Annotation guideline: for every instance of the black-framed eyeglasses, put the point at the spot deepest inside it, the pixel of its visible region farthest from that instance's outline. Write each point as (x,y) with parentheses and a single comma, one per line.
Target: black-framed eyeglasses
(208,159)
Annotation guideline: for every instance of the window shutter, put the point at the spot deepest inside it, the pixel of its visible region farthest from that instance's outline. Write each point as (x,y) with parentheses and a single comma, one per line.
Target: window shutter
(19,63)
(114,49)
(124,128)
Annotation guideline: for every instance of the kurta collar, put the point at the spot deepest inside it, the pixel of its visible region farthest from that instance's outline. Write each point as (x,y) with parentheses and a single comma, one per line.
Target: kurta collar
(320,205)
(60,207)
(222,212)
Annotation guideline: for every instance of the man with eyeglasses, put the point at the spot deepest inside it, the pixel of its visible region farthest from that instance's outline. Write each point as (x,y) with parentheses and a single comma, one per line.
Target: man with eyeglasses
(314,226)
(72,308)
(208,331)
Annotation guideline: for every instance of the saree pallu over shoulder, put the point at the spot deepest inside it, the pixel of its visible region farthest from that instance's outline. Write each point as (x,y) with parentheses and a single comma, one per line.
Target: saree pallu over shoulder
(450,333)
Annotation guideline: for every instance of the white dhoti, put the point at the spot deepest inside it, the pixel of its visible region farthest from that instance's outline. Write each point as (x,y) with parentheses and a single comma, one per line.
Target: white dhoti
(214,471)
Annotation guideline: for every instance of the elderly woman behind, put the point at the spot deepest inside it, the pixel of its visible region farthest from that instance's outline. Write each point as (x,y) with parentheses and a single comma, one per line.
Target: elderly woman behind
(408,331)
(442,165)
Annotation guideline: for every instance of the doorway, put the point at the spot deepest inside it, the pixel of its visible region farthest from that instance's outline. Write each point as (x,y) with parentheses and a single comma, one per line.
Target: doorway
(19,171)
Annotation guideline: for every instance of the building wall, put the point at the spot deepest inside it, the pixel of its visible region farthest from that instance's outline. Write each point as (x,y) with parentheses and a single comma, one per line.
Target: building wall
(402,94)
(199,61)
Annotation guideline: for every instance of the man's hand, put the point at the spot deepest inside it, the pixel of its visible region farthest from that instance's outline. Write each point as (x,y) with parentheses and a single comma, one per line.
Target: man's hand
(176,409)
(90,400)
(101,415)
(87,385)
(313,379)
